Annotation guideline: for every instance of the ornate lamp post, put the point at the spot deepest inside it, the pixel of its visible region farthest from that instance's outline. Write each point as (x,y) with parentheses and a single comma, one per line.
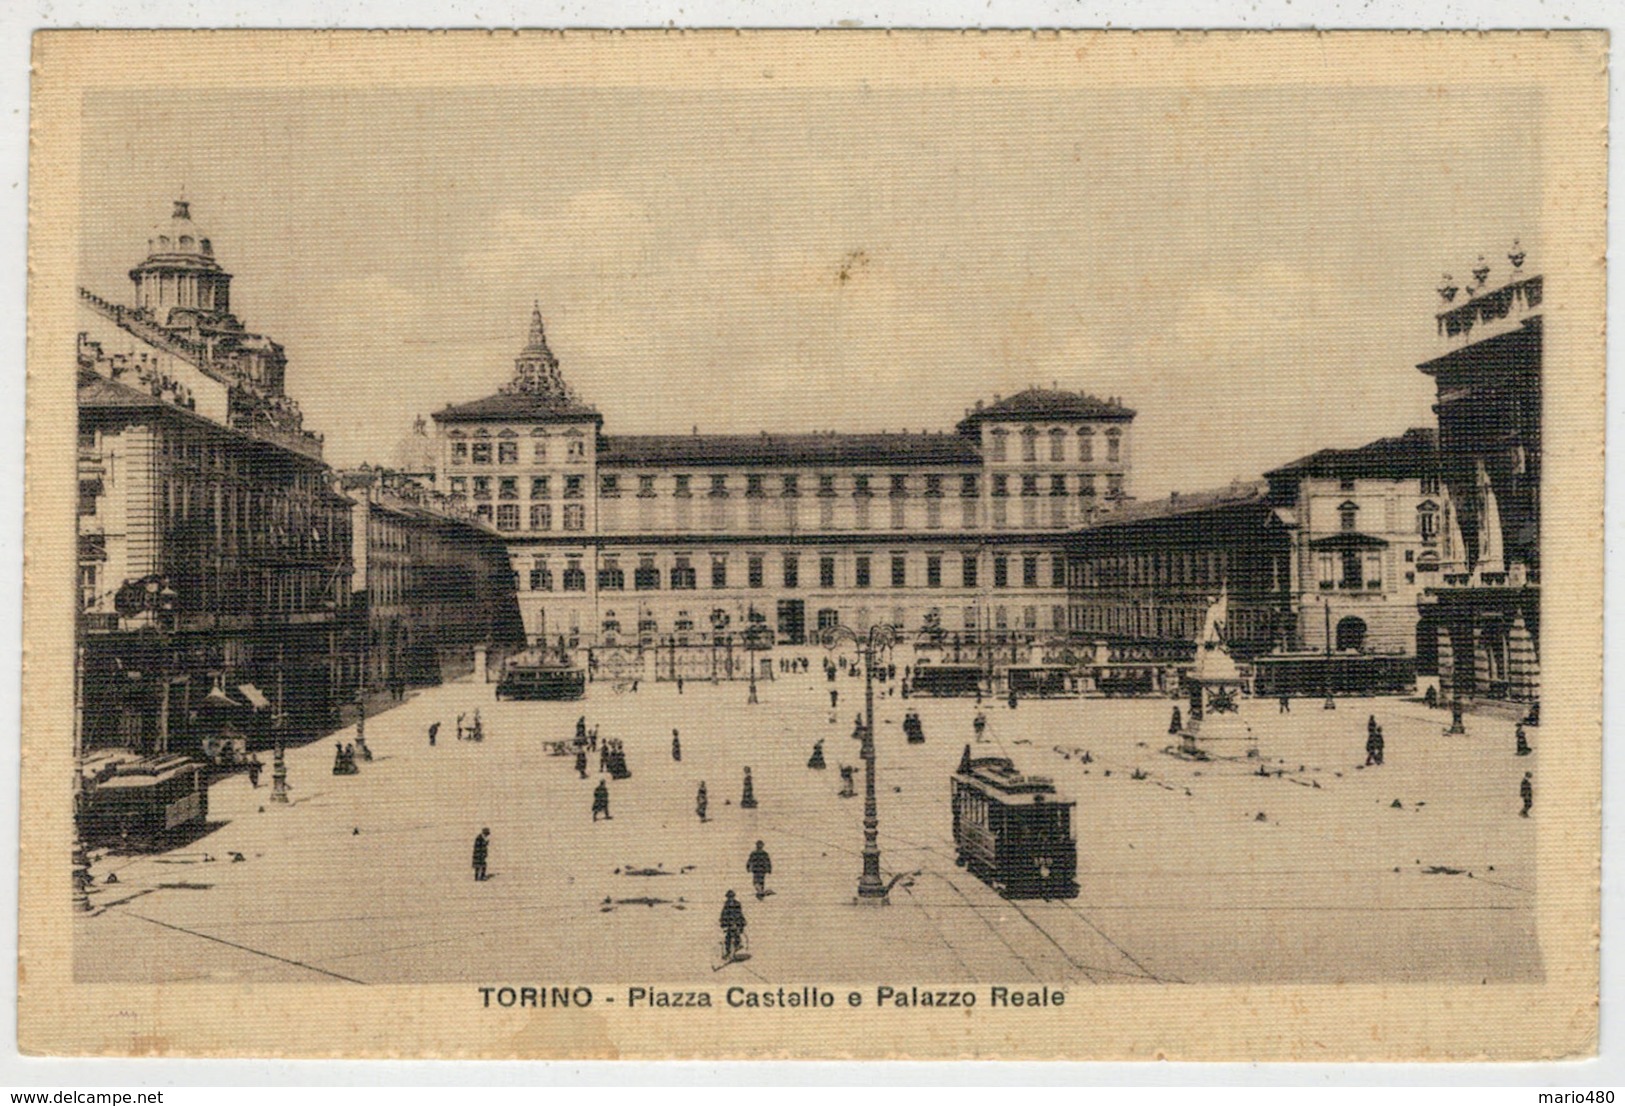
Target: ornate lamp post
(1331,703)
(880,639)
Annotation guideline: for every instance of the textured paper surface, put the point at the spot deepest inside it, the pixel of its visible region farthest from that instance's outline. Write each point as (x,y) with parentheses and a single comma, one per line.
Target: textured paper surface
(1561,79)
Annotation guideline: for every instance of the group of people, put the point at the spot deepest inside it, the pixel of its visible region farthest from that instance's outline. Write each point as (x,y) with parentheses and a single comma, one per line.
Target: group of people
(344,763)
(1373,742)
(760,865)
(913,729)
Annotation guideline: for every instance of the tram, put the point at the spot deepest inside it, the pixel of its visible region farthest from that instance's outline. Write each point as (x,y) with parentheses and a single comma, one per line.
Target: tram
(140,801)
(946,679)
(1011,830)
(551,680)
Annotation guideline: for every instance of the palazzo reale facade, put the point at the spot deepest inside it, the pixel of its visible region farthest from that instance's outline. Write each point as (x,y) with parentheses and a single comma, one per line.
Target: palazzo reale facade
(686,538)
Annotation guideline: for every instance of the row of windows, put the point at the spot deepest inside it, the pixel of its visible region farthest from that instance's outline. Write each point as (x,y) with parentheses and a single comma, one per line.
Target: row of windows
(507,453)
(682,575)
(1427,519)
(507,487)
(610,486)
(506,516)
(1000,448)
(650,630)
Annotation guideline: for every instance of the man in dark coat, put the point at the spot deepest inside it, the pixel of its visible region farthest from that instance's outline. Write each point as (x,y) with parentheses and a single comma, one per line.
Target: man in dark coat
(482,848)
(254,767)
(733,926)
(759,864)
(600,801)
(1527,790)
(676,747)
(581,763)
(434,731)
(701,802)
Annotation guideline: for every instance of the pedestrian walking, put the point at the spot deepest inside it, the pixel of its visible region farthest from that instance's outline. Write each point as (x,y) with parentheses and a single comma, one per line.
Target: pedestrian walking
(701,802)
(1371,748)
(676,747)
(816,761)
(834,697)
(460,718)
(733,926)
(1012,698)
(679,685)
(1523,741)
(254,767)
(747,800)
(1175,724)
(1377,738)
(482,851)
(1527,790)
(581,762)
(759,865)
(434,731)
(600,801)
(979,724)
(1284,705)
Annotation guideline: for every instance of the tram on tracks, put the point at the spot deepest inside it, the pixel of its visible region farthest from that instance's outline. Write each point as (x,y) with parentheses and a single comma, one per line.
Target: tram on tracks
(140,801)
(946,679)
(1012,831)
(546,679)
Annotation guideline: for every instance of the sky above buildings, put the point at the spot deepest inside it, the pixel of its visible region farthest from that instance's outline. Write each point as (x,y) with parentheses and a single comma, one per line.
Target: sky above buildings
(1253,270)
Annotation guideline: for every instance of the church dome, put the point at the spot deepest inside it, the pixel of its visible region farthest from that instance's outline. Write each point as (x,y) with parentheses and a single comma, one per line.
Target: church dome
(179,237)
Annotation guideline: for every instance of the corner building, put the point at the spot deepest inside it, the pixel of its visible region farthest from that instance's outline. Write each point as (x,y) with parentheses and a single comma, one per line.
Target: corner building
(684,539)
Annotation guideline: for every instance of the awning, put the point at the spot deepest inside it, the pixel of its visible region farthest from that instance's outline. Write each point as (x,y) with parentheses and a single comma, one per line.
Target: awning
(254,695)
(1349,540)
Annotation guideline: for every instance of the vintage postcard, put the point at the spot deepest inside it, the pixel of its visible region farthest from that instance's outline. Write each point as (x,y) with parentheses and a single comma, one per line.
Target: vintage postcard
(723,545)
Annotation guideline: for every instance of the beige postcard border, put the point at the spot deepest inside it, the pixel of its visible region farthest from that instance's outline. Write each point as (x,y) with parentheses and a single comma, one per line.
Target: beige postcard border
(1411,1022)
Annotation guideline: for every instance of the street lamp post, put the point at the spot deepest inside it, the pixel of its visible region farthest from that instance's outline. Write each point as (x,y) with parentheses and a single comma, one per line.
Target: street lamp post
(877,642)
(1331,703)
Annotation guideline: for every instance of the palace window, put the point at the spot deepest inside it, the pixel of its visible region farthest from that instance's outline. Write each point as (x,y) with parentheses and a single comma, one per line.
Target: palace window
(1430,485)
(826,484)
(933,486)
(860,514)
(609,486)
(541,516)
(826,514)
(1029,444)
(1349,514)
(574,486)
(1114,445)
(719,485)
(683,484)
(1427,521)
(1086,443)
(1001,486)
(1029,572)
(899,570)
(482,453)
(933,570)
(646,487)
(575,516)
(792,571)
(826,572)
(540,578)
(611,577)
(1001,572)
(1345,484)
(753,570)
(719,570)
(1029,485)
(539,487)
(899,484)
(459,453)
(1114,485)
(1057,485)
(508,487)
(933,514)
(574,578)
(792,486)
(508,516)
(576,449)
(967,486)
(1057,444)
(860,571)
(459,485)
(682,574)
(969,513)
(860,486)
(967,571)
(899,515)
(646,577)
(969,615)
(507,453)
(482,487)
(1057,571)
(753,485)
(1000,443)
(1001,514)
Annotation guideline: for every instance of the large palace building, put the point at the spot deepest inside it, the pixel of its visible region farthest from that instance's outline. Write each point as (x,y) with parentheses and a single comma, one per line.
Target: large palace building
(682,538)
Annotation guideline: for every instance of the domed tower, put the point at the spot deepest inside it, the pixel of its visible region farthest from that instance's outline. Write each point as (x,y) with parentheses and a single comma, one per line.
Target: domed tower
(180,272)
(536,370)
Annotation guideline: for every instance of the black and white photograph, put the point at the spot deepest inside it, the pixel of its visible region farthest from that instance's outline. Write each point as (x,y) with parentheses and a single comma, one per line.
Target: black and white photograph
(943,546)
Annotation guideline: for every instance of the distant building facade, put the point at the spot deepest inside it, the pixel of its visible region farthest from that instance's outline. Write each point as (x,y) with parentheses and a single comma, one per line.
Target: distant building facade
(431,585)
(650,539)
(1367,526)
(214,551)
(1486,605)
